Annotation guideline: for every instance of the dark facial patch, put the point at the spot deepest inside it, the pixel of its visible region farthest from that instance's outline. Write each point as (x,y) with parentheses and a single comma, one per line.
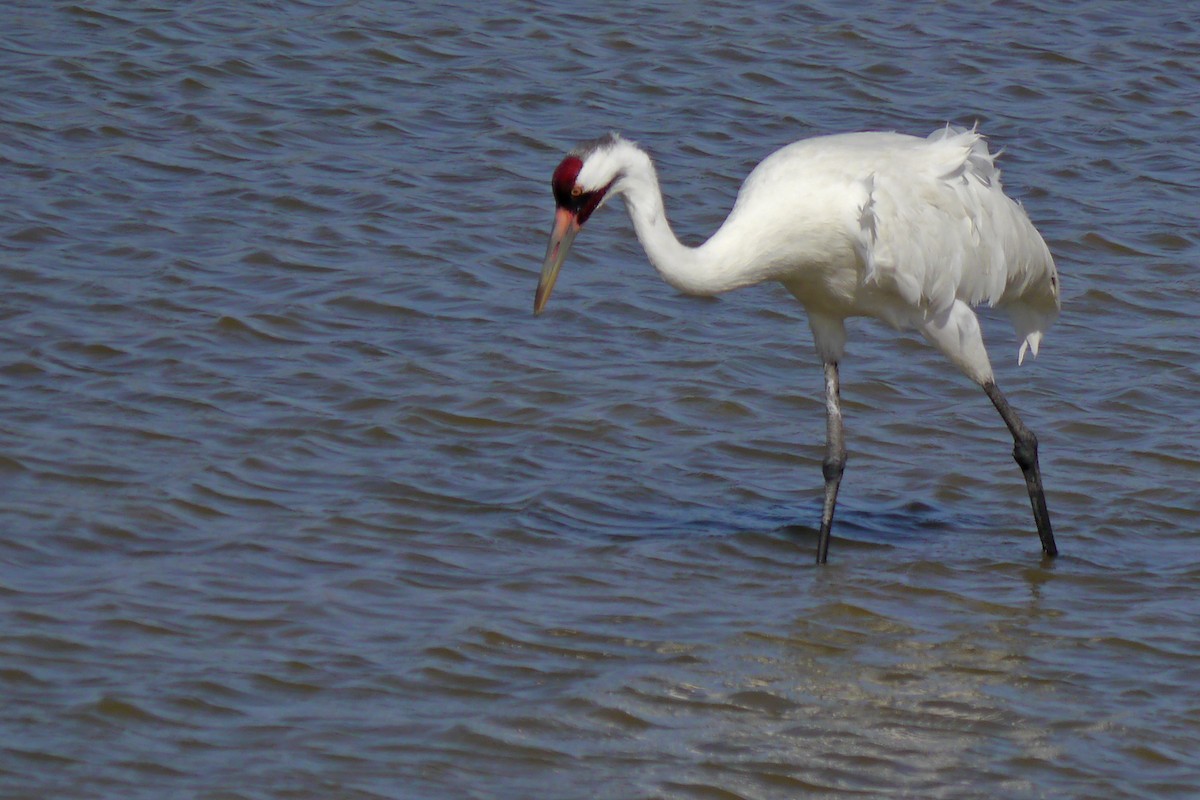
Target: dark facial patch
(563,185)
(589,202)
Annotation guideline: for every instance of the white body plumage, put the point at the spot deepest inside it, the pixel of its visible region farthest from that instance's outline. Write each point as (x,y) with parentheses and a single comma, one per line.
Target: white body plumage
(907,230)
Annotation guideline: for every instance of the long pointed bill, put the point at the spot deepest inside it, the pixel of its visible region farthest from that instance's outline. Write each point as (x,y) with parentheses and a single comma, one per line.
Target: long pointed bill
(561,236)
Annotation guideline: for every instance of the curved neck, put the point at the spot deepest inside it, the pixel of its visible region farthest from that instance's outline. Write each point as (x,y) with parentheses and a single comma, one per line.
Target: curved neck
(714,267)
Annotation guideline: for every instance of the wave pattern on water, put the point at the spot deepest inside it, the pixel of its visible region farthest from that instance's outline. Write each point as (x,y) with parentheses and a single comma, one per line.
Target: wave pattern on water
(296,498)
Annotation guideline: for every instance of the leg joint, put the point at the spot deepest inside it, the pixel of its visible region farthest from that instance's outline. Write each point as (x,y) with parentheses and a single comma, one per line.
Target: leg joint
(833,466)
(1025,450)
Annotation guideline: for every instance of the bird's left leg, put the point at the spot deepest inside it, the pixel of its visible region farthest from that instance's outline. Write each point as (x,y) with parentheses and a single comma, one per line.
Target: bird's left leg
(1025,447)
(835,455)
(956,333)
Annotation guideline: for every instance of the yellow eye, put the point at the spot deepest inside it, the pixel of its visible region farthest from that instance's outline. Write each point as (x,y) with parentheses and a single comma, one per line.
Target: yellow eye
(576,191)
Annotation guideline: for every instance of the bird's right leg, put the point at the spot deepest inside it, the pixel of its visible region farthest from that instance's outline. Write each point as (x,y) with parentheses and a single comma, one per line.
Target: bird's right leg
(835,455)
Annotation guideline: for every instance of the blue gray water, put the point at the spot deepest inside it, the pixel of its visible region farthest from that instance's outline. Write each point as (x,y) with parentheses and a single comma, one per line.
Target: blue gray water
(297,499)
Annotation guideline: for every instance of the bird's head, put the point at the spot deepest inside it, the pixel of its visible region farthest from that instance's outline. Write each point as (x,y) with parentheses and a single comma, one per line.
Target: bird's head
(583,181)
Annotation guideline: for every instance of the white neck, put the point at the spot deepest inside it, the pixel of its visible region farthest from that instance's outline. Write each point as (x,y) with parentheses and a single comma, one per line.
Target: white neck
(716,266)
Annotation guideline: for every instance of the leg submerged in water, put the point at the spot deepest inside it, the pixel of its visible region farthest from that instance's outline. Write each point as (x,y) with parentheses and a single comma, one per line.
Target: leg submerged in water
(835,456)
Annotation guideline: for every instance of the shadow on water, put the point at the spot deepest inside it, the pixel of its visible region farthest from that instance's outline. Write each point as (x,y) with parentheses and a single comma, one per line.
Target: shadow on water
(910,524)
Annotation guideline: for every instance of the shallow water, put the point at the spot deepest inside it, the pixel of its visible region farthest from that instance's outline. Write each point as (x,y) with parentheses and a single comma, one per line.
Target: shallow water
(297,499)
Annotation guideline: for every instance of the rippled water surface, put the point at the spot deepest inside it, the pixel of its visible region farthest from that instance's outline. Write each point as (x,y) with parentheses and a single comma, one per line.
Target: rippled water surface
(297,499)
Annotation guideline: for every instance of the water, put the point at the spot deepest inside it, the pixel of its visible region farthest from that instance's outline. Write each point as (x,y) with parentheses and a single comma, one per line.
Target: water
(298,500)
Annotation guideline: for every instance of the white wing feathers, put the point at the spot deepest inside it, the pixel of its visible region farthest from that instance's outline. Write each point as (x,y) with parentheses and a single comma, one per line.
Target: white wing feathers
(939,228)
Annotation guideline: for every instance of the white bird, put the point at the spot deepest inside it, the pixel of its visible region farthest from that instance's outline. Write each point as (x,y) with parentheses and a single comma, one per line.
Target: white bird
(911,231)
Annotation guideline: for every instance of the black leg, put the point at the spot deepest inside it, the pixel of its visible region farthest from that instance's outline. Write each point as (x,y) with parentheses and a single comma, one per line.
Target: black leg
(1025,454)
(835,456)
